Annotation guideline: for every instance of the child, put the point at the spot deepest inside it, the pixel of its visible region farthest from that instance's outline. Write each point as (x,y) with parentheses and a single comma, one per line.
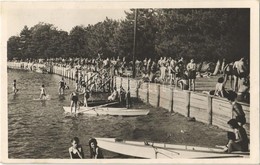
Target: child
(43,93)
(15,90)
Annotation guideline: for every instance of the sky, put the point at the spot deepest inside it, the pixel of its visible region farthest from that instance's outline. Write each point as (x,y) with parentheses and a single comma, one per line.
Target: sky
(64,16)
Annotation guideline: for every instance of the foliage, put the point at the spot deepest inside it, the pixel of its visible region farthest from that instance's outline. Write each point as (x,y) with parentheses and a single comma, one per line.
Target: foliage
(203,34)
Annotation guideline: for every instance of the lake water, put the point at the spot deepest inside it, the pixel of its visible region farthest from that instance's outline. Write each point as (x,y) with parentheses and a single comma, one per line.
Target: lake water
(41,129)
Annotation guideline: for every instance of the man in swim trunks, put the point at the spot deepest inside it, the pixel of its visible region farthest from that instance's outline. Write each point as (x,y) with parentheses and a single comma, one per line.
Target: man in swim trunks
(61,86)
(191,68)
(240,72)
(74,101)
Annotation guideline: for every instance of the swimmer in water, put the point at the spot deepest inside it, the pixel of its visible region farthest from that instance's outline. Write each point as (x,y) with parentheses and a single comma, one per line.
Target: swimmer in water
(15,90)
(43,93)
(62,85)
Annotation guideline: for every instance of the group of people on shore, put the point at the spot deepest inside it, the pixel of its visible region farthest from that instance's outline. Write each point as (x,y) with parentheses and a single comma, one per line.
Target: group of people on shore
(238,139)
(180,73)
(76,150)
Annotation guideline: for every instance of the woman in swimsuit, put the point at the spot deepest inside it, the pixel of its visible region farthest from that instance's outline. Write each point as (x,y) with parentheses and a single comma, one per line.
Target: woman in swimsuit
(76,150)
(95,151)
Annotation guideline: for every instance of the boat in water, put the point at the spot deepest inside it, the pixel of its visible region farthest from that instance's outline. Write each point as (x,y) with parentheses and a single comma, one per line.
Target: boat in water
(93,103)
(161,150)
(109,111)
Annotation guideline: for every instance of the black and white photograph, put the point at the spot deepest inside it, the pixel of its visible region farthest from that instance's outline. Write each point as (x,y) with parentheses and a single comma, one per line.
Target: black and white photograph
(130,82)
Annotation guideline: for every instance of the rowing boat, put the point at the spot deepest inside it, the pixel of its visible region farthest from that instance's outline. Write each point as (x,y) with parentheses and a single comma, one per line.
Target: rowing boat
(161,150)
(109,111)
(93,103)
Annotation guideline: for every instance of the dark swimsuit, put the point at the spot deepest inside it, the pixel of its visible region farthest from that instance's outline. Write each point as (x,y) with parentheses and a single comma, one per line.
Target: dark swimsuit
(75,156)
(74,99)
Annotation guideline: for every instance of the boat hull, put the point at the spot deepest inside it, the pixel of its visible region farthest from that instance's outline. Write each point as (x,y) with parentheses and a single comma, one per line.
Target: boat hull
(160,150)
(109,111)
(102,102)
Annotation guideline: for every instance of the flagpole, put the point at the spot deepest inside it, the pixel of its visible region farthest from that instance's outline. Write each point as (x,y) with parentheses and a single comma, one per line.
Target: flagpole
(134,46)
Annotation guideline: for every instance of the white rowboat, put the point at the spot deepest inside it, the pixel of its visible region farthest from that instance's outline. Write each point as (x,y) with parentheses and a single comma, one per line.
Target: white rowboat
(109,111)
(161,150)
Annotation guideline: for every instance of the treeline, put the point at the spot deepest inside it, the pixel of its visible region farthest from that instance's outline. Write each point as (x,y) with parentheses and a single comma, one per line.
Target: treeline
(203,34)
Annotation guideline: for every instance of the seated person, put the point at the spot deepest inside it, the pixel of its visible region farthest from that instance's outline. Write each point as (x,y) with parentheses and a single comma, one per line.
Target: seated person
(237,140)
(220,89)
(114,95)
(184,81)
(243,91)
(146,77)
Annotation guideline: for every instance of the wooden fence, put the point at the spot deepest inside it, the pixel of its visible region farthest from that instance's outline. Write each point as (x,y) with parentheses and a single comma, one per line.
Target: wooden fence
(207,109)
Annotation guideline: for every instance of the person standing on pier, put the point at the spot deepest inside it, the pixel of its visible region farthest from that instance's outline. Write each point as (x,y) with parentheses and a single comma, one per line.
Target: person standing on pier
(74,101)
(191,68)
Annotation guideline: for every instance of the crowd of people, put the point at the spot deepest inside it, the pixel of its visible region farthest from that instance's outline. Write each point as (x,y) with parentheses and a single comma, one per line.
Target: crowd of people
(175,71)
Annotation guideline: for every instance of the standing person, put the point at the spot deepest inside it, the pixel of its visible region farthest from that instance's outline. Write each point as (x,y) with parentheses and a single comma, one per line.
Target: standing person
(76,150)
(237,110)
(15,90)
(241,68)
(86,95)
(74,101)
(240,72)
(43,92)
(237,140)
(95,151)
(61,86)
(163,72)
(228,71)
(191,68)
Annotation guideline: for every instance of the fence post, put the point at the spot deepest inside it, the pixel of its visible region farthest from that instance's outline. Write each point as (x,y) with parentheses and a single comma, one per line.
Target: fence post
(188,103)
(209,110)
(158,95)
(137,89)
(147,94)
(171,99)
